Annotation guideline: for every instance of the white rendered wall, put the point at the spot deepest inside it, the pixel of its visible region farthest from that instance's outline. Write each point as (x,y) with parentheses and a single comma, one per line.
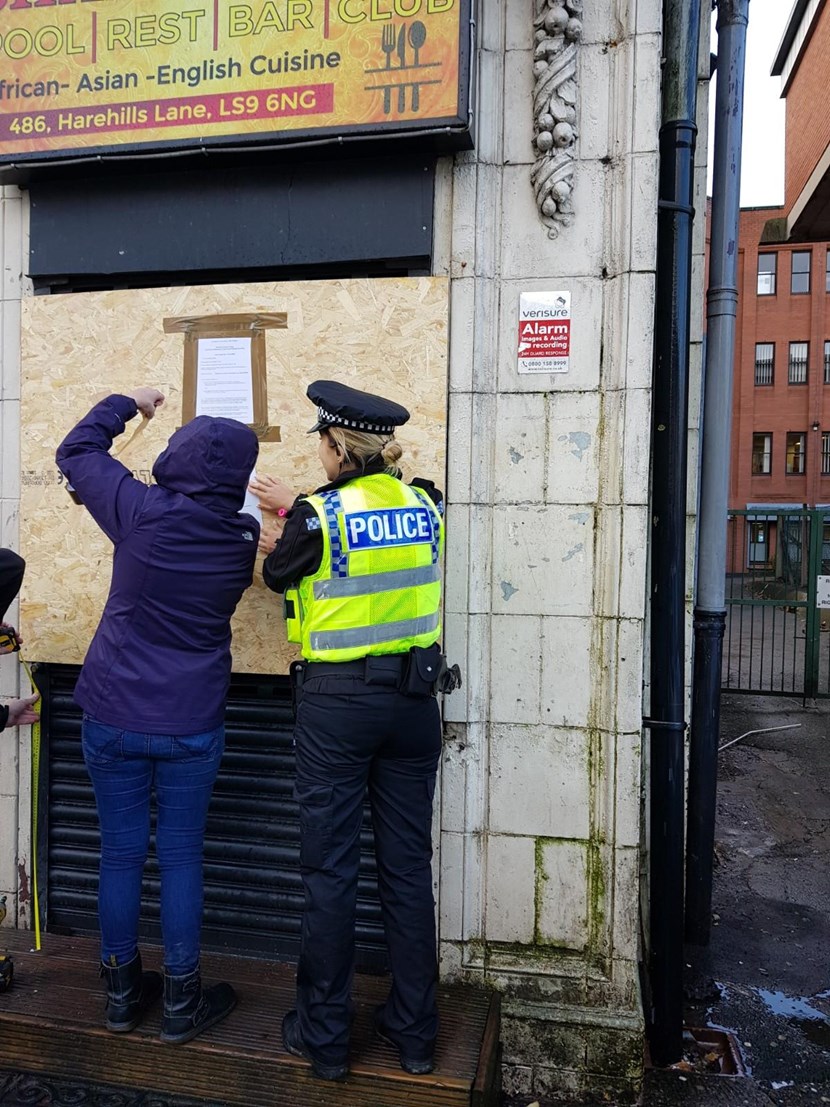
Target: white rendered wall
(547,554)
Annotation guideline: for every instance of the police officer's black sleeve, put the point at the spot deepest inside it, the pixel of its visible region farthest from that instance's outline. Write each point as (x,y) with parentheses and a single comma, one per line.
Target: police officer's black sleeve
(4,716)
(11,577)
(428,486)
(299,552)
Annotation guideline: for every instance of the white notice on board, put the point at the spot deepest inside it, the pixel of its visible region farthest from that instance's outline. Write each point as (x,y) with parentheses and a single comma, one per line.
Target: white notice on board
(224,381)
(822,591)
(251,506)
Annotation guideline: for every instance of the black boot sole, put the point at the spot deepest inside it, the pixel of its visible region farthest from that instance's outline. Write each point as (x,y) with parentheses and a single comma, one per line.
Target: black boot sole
(414,1068)
(194,1032)
(322,1072)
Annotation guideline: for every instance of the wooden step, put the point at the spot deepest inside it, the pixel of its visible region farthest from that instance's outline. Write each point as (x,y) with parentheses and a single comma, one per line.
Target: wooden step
(51,1021)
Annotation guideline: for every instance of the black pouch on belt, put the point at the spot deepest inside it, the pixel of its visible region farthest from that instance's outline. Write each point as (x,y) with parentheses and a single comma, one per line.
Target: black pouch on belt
(423,671)
(384,670)
(296,674)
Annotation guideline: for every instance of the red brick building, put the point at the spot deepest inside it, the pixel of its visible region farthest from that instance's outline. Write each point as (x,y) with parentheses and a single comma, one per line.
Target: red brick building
(781,397)
(780,455)
(803,64)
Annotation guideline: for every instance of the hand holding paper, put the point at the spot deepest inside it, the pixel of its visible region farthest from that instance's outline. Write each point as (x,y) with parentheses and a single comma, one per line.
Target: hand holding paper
(273,494)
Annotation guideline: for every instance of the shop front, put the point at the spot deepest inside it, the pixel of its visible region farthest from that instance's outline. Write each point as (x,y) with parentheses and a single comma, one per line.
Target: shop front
(121,130)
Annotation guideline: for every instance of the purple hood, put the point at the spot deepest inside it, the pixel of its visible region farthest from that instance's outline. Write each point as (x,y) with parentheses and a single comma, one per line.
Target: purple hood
(209,460)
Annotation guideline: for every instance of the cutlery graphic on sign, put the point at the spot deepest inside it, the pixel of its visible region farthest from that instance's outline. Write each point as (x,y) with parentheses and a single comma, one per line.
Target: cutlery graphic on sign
(417,38)
(394,40)
(402,58)
(387,44)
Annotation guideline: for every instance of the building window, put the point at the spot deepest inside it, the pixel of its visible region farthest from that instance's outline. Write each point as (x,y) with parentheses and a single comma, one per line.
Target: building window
(800,275)
(796,452)
(764,362)
(827,362)
(827,272)
(761,455)
(758,543)
(766,274)
(825,453)
(798,363)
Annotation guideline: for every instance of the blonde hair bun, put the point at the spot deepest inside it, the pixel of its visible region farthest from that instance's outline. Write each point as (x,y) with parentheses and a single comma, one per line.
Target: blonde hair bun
(391,453)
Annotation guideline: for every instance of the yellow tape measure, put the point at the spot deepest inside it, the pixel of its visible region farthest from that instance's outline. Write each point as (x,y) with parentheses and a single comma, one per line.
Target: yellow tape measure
(35,790)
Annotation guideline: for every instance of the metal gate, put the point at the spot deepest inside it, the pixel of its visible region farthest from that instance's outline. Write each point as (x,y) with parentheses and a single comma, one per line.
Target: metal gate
(777,639)
(253,892)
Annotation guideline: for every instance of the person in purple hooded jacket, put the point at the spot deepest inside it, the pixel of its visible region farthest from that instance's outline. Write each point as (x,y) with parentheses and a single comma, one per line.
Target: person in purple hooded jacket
(154,684)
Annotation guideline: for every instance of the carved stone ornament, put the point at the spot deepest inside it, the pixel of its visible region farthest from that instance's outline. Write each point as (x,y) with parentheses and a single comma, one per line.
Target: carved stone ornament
(558,29)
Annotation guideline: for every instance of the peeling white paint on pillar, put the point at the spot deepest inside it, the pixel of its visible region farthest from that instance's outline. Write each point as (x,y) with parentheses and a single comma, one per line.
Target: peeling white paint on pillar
(548,529)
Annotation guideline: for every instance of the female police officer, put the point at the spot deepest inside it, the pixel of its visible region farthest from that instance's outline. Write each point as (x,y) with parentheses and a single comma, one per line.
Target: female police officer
(359,564)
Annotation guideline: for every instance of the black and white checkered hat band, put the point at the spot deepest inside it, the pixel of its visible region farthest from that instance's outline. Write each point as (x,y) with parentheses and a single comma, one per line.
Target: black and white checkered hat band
(338,420)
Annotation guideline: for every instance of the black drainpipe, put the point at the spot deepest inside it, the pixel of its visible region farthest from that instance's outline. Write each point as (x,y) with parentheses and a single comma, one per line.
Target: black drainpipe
(678,132)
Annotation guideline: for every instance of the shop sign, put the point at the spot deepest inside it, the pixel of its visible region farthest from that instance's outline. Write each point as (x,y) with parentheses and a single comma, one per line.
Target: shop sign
(116,76)
(544,332)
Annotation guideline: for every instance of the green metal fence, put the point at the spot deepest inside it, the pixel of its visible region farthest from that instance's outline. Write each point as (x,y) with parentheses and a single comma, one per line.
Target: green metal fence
(777,639)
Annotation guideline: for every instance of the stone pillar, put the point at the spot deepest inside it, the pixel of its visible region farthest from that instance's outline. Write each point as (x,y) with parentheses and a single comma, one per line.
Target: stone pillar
(547,521)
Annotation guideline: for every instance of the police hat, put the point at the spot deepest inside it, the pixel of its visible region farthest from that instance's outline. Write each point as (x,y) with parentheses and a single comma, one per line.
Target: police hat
(341,406)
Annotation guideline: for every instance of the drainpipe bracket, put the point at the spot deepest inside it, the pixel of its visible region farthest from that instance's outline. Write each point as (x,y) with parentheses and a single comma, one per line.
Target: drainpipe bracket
(664,724)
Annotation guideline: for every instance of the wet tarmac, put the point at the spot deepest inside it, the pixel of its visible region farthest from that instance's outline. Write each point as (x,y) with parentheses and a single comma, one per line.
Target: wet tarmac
(765,976)
(767,969)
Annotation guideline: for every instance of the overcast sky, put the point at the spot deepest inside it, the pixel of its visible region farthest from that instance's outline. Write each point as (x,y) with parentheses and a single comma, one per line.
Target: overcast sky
(762,170)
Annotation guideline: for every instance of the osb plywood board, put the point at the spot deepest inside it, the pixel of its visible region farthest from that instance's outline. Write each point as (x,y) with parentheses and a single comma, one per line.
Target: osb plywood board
(386,336)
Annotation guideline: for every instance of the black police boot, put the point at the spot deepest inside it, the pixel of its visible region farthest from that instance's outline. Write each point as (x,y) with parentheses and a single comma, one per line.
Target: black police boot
(189,1008)
(292,1039)
(129,994)
(417,1066)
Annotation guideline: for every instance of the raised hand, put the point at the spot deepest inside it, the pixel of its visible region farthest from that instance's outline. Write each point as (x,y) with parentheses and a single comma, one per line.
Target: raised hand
(147,400)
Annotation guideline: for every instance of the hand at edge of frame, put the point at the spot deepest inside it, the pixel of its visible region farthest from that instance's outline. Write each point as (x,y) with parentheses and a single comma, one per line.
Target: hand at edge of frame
(21,712)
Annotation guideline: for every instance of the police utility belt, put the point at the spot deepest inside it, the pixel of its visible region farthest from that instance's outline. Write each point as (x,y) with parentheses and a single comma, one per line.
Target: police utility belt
(421,671)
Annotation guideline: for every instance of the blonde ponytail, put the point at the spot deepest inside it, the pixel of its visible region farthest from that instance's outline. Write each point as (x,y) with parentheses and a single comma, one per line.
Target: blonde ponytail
(391,454)
(360,447)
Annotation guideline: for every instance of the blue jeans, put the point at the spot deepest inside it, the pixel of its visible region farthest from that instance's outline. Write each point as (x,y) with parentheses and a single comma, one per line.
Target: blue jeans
(125,766)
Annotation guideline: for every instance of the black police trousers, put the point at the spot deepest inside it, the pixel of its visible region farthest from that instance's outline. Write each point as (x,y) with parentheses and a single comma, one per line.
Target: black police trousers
(347,740)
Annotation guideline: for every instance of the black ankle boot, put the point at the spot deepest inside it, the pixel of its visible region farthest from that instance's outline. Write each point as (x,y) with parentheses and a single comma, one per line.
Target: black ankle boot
(129,993)
(189,1008)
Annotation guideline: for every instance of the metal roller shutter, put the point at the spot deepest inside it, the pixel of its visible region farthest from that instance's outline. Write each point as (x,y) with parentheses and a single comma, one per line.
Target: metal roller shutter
(253,893)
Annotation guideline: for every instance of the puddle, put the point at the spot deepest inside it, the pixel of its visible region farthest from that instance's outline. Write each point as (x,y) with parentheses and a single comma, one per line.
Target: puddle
(799,1013)
(724,997)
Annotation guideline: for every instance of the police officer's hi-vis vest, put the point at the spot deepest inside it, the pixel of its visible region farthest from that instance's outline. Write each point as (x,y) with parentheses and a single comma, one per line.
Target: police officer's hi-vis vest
(378,588)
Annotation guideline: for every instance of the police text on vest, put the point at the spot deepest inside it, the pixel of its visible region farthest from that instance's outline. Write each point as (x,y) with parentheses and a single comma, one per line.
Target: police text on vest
(399,526)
